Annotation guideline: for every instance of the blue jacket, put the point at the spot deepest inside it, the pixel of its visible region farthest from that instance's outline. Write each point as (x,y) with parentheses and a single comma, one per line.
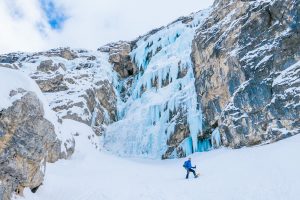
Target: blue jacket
(188,164)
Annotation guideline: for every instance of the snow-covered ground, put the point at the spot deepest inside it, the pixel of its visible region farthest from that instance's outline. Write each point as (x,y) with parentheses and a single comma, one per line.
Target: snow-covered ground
(270,172)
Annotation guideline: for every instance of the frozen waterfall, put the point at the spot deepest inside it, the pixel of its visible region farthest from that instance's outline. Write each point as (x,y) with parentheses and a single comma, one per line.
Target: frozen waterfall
(163,87)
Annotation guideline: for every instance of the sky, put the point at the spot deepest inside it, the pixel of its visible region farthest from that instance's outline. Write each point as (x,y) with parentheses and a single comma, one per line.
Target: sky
(36,25)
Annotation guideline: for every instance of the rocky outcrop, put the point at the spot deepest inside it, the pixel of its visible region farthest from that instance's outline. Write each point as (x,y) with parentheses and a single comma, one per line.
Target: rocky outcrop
(48,66)
(106,96)
(52,84)
(27,142)
(119,56)
(241,54)
(65,53)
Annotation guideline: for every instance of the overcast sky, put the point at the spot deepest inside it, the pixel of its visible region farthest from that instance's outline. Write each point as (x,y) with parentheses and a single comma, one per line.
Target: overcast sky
(33,25)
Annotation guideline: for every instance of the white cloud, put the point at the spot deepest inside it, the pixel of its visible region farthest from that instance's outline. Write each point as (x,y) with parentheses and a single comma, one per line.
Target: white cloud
(91,23)
(19,21)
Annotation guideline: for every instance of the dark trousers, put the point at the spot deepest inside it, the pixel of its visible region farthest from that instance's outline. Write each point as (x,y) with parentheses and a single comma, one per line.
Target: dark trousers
(188,172)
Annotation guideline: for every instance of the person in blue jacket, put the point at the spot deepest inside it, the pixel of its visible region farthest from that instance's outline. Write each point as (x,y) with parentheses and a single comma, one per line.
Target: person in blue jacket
(188,166)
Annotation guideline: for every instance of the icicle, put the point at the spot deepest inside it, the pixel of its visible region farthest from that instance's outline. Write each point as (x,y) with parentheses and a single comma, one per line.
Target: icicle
(187,146)
(94,116)
(216,138)
(204,145)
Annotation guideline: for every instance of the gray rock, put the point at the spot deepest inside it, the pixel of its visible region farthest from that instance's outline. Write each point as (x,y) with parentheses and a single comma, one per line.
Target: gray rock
(237,57)
(49,66)
(106,96)
(119,56)
(53,84)
(29,141)
(9,58)
(65,53)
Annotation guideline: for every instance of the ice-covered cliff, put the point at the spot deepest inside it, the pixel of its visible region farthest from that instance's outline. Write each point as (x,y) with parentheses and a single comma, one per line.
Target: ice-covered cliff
(161,117)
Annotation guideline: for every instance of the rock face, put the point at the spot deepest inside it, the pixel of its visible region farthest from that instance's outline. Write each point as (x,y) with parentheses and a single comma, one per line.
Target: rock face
(27,142)
(53,84)
(47,66)
(77,83)
(123,64)
(119,56)
(246,64)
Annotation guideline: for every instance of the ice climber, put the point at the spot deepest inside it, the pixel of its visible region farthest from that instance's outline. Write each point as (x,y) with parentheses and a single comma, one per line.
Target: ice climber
(188,166)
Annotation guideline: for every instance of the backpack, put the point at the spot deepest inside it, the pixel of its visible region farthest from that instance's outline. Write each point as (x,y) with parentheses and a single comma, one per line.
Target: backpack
(185,164)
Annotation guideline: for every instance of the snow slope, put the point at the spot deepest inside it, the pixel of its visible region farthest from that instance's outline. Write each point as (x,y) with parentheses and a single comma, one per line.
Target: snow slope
(11,79)
(268,172)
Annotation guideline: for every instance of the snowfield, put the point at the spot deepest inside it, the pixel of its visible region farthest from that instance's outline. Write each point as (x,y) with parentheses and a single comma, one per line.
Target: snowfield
(270,172)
